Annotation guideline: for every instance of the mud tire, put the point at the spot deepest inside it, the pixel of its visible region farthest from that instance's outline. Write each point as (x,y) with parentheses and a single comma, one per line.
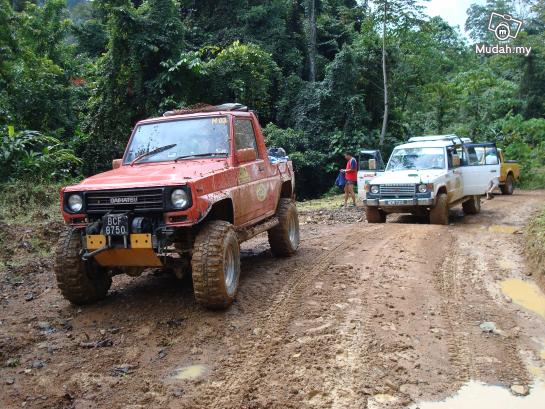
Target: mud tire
(509,187)
(216,256)
(439,213)
(285,237)
(80,282)
(472,206)
(374,215)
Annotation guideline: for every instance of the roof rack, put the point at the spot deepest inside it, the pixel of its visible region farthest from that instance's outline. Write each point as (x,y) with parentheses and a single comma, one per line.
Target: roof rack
(452,137)
(207,108)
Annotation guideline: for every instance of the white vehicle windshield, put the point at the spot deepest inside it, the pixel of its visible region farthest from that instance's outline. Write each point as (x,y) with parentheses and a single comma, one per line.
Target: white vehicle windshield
(416,159)
(178,139)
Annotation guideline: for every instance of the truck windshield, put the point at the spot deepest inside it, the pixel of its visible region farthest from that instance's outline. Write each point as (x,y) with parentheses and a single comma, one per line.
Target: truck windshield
(183,138)
(416,158)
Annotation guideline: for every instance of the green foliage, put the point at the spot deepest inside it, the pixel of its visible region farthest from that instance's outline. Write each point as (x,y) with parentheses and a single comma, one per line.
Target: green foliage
(30,155)
(83,72)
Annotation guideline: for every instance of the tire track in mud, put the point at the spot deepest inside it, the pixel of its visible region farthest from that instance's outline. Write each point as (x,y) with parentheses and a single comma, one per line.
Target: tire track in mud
(347,384)
(234,392)
(448,280)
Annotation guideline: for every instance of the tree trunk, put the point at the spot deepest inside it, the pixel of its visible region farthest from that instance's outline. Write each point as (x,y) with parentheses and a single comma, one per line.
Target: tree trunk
(385,118)
(311,12)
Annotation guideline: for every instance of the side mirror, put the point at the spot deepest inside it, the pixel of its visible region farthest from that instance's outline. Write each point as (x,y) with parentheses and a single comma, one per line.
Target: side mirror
(372,164)
(246,155)
(455,161)
(116,163)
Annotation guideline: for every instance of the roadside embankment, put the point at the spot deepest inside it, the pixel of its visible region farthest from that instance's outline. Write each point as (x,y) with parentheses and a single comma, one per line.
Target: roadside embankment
(535,247)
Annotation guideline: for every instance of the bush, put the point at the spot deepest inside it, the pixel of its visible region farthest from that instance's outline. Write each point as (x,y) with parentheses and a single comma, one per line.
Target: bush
(30,155)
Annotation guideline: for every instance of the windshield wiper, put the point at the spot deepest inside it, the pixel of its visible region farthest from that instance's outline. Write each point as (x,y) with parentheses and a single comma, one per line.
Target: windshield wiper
(199,155)
(153,152)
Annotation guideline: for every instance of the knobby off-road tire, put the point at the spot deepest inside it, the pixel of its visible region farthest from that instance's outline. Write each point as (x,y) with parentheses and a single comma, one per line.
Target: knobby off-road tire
(216,265)
(374,215)
(284,238)
(472,206)
(439,214)
(509,187)
(81,282)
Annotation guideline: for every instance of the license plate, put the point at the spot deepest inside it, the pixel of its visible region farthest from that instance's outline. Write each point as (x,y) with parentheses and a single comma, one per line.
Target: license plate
(116,225)
(395,202)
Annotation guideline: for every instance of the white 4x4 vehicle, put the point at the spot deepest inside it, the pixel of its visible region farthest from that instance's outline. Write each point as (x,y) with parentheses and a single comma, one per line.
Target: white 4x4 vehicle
(431,174)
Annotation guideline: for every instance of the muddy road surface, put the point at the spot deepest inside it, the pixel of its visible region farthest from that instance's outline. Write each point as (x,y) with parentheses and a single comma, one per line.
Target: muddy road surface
(364,316)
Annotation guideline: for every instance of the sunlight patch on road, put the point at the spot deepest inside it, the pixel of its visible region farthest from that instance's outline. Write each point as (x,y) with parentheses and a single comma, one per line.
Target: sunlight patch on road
(477,395)
(525,294)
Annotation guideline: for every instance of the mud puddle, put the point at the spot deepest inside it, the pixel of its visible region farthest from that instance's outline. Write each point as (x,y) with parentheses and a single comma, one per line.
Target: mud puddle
(525,294)
(477,395)
(498,228)
(190,372)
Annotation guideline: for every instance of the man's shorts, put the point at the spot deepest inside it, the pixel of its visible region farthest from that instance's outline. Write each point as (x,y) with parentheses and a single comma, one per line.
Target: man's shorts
(494,183)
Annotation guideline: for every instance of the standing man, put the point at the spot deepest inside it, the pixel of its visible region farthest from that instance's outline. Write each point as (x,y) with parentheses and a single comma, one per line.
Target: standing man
(351,176)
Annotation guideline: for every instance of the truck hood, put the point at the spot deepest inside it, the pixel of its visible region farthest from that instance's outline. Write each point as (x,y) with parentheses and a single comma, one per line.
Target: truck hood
(408,176)
(151,175)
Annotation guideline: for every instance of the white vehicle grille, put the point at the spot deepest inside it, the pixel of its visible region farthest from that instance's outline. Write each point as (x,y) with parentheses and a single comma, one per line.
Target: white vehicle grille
(397,190)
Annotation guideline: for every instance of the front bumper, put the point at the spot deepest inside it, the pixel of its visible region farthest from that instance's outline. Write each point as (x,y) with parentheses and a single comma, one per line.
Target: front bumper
(413,201)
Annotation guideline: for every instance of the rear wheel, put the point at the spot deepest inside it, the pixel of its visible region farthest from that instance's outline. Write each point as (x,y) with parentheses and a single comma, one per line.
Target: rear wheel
(284,238)
(215,265)
(439,213)
(80,282)
(472,206)
(509,187)
(374,215)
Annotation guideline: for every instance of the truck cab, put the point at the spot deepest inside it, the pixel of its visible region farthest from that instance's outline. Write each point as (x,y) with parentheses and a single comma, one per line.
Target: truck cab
(429,175)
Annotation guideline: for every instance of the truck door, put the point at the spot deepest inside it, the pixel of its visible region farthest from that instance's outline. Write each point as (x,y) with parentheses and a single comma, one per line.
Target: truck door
(480,165)
(254,193)
(370,164)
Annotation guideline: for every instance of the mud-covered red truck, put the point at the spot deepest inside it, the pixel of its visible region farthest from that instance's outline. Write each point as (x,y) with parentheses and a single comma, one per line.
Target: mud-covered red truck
(191,186)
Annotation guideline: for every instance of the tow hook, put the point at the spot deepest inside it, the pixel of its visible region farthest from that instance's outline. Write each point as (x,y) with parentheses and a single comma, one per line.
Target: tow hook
(92,254)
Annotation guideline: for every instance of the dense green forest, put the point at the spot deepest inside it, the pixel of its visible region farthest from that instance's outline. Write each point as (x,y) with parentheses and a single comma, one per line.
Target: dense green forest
(76,75)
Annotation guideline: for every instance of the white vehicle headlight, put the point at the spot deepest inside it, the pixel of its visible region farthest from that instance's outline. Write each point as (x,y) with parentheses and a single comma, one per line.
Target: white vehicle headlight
(75,203)
(375,189)
(422,188)
(179,198)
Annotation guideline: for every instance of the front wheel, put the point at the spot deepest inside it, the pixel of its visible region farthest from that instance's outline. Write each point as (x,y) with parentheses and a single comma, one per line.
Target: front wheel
(439,213)
(509,186)
(472,206)
(81,282)
(215,265)
(284,238)
(374,215)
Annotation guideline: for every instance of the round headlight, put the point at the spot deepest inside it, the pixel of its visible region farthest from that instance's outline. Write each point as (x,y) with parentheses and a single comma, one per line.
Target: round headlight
(422,188)
(179,199)
(75,203)
(375,189)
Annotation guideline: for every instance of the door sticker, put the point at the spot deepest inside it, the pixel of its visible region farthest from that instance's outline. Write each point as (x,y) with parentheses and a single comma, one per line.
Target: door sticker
(261,192)
(243,176)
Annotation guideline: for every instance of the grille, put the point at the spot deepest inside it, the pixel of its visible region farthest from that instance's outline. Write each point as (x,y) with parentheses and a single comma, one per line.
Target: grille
(396,191)
(127,199)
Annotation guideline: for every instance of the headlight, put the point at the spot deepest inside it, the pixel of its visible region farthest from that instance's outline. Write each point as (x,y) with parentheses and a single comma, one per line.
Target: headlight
(375,189)
(179,199)
(75,203)
(422,188)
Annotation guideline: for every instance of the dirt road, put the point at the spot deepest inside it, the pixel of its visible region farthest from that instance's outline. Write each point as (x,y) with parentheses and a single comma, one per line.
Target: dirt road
(365,316)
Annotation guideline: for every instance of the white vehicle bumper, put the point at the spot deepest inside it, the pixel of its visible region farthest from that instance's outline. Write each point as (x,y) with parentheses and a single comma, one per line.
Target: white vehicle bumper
(399,202)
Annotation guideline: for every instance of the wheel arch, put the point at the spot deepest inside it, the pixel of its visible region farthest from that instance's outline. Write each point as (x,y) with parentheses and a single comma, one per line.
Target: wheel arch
(221,210)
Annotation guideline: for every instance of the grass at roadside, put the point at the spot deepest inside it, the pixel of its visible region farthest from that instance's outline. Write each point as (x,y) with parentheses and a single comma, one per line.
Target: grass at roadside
(535,244)
(325,203)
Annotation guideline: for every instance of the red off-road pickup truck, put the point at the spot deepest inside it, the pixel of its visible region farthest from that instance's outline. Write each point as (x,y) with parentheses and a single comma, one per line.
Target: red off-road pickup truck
(190,188)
